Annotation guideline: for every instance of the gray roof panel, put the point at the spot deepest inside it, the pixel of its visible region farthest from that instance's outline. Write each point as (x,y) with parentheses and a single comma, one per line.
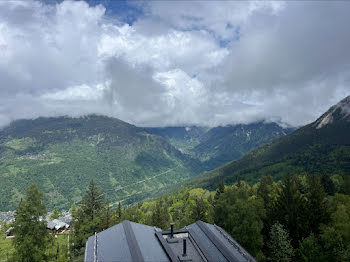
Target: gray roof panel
(148,243)
(89,250)
(112,245)
(207,244)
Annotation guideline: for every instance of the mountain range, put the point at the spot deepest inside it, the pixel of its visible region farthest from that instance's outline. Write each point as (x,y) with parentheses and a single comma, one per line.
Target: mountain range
(219,145)
(319,147)
(63,154)
(129,163)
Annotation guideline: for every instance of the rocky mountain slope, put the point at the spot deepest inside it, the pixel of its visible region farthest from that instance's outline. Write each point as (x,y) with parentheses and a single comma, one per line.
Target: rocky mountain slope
(322,146)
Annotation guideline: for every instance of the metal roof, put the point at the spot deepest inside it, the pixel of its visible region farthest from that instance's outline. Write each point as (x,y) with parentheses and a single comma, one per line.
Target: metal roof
(129,241)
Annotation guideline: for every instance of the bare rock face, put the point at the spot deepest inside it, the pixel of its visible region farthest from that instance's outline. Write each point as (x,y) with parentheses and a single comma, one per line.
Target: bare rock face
(340,111)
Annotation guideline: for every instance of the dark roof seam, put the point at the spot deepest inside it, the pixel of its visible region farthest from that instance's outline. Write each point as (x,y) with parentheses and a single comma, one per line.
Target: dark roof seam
(235,245)
(219,245)
(172,257)
(134,248)
(201,247)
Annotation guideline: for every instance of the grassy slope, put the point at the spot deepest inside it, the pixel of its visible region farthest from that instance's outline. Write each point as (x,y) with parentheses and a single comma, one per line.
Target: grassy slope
(6,245)
(62,155)
(306,150)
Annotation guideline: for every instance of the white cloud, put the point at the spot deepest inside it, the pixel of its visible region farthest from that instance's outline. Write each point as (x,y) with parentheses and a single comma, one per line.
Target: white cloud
(181,63)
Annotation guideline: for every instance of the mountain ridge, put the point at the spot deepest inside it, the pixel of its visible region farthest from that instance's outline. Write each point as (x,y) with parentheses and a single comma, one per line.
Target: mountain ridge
(63,154)
(307,149)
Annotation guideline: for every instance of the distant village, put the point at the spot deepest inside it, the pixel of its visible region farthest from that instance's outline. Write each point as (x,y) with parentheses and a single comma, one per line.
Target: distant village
(58,226)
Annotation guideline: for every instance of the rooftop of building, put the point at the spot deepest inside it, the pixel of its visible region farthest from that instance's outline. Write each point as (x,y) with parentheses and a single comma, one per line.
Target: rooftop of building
(129,241)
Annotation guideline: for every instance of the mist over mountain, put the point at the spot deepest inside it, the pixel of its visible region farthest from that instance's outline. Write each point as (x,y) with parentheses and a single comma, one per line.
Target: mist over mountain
(319,147)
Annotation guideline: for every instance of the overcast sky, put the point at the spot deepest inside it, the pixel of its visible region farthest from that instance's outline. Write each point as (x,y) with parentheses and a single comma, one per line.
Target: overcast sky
(167,63)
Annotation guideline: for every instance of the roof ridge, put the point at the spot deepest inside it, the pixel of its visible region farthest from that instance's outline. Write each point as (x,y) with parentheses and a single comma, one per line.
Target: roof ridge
(240,249)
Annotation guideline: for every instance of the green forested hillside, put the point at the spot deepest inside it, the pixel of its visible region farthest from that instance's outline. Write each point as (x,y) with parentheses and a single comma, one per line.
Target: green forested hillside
(223,144)
(314,148)
(219,145)
(63,154)
(300,218)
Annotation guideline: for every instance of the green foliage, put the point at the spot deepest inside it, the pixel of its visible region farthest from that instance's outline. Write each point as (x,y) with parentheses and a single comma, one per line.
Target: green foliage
(308,149)
(241,215)
(55,214)
(61,155)
(258,216)
(310,251)
(336,235)
(160,215)
(32,237)
(290,209)
(280,247)
(317,209)
(92,215)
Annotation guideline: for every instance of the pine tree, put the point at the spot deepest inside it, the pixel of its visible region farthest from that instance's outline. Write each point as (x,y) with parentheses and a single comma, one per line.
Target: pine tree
(279,245)
(316,205)
(93,201)
(160,215)
(73,210)
(89,217)
(55,214)
(328,184)
(32,237)
(219,190)
(290,209)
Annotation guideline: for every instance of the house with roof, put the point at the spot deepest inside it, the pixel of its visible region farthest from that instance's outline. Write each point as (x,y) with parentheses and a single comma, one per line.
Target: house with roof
(60,224)
(198,242)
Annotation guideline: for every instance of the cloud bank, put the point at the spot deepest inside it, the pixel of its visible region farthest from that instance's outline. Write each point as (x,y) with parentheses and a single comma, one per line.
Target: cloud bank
(178,63)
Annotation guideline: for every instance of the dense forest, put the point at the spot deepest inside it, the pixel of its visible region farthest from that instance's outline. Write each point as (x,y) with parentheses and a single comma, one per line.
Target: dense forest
(301,218)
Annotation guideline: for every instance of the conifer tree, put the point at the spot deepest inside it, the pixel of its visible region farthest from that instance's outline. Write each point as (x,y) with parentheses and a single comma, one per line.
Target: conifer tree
(219,190)
(32,237)
(89,217)
(279,245)
(316,205)
(290,209)
(160,215)
(55,213)
(328,184)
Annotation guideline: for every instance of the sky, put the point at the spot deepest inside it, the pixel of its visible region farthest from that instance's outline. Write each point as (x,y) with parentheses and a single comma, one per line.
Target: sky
(174,63)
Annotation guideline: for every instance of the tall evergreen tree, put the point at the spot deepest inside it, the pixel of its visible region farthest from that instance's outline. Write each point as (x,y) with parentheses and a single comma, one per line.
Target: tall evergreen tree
(32,237)
(160,215)
(219,190)
(279,245)
(317,210)
(290,209)
(328,184)
(93,201)
(89,217)
(55,213)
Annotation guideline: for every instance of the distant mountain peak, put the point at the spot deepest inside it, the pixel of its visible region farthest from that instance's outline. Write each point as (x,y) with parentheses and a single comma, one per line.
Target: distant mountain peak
(340,111)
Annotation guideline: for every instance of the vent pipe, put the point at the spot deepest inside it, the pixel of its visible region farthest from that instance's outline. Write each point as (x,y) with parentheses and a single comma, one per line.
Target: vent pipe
(184,248)
(171,230)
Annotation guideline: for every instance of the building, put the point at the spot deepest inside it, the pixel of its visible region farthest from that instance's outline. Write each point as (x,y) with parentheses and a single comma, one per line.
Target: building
(129,241)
